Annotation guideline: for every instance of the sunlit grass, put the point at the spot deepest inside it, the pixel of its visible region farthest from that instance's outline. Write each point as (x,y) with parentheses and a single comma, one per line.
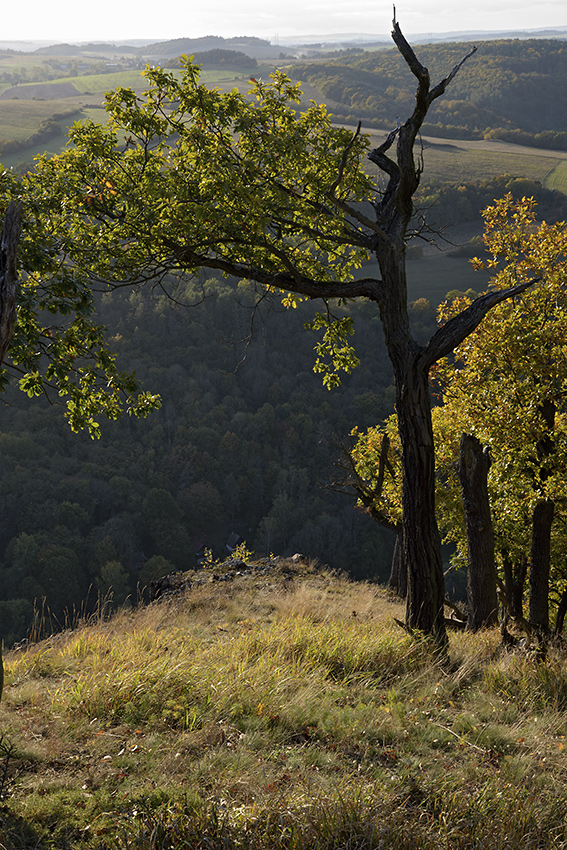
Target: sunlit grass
(285,712)
(557,178)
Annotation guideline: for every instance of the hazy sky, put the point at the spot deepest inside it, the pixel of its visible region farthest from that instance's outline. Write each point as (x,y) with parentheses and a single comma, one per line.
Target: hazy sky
(70,20)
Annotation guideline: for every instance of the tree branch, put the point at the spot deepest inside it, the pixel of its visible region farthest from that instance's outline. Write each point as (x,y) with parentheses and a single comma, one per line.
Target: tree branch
(396,206)
(364,287)
(446,338)
(9,280)
(367,494)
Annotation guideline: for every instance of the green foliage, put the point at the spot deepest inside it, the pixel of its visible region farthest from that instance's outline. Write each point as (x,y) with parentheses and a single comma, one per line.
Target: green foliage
(205,178)
(504,375)
(244,179)
(58,347)
(334,353)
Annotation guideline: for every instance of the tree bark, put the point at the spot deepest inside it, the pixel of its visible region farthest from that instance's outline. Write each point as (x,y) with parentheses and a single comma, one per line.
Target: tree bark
(514,584)
(398,581)
(9,279)
(421,543)
(560,615)
(542,521)
(540,560)
(474,464)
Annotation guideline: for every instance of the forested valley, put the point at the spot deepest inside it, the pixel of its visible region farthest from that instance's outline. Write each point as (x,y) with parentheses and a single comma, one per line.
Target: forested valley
(244,443)
(237,251)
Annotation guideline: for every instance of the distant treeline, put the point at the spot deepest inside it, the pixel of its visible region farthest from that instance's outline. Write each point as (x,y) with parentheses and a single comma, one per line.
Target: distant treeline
(188,46)
(451,205)
(219,56)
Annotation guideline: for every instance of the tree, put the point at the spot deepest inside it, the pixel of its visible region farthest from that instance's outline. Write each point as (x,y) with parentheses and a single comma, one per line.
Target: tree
(499,429)
(252,189)
(474,463)
(506,386)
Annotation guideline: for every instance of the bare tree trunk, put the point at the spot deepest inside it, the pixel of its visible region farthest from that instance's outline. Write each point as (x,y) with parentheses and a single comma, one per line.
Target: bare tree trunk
(540,560)
(9,280)
(398,581)
(542,521)
(421,543)
(514,584)
(8,294)
(474,464)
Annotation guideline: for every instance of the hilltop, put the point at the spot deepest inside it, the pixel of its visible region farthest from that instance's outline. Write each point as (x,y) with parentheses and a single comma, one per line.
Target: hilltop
(277,704)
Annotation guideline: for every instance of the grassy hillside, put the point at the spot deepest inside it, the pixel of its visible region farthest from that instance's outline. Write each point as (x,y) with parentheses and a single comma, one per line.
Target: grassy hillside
(279,706)
(557,178)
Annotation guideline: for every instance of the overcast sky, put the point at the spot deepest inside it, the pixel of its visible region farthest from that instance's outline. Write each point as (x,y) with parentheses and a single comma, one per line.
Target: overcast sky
(115,20)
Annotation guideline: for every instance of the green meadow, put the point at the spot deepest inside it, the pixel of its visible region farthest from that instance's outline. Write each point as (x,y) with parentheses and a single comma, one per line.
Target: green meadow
(557,177)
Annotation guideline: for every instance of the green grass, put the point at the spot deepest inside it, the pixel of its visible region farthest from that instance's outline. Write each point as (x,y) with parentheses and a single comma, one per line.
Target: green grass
(103,82)
(282,710)
(557,178)
(21,118)
(452,166)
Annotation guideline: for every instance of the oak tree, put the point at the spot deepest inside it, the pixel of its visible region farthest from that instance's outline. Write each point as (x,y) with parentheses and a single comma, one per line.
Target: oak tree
(184,178)
(506,386)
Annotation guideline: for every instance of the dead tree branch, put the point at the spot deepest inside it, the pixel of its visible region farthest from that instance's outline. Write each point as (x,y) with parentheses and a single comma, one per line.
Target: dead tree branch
(9,280)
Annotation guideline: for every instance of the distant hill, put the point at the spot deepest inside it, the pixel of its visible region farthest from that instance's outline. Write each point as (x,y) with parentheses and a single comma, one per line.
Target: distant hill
(90,47)
(375,39)
(219,57)
(511,89)
(257,48)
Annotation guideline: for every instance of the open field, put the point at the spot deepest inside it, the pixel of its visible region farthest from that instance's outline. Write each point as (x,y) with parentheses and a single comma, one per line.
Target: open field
(280,706)
(450,161)
(557,178)
(433,276)
(21,118)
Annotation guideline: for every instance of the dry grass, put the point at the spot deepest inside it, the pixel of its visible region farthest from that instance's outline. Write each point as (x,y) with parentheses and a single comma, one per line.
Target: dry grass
(281,708)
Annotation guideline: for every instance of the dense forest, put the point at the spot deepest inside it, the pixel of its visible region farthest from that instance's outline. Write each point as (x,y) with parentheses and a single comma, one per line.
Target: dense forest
(514,90)
(244,443)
